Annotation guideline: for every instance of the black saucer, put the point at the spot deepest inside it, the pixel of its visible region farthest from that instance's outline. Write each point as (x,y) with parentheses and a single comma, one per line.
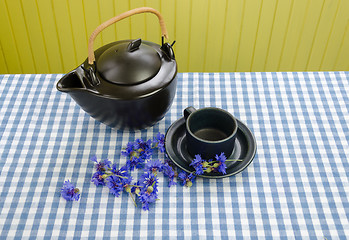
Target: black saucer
(176,148)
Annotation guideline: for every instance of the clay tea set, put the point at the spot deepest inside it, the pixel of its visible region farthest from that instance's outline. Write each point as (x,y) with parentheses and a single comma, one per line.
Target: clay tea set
(131,84)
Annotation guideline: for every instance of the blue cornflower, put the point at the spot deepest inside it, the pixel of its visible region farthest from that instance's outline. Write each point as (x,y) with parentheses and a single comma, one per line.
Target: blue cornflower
(69,192)
(153,167)
(197,164)
(116,184)
(102,165)
(123,171)
(159,141)
(130,149)
(137,152)
(98,179)
(147,197)
(187,179)
(148,179)
(167,170)
(148,190)
(221,163)
(144,149)
(134,162)
(136,188)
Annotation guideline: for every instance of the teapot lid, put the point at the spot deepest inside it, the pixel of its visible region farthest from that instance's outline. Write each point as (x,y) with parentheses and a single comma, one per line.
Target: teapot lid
(134,81)
(129,63)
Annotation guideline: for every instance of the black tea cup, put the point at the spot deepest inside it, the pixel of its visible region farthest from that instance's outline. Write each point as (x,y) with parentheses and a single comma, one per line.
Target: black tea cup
(210,131)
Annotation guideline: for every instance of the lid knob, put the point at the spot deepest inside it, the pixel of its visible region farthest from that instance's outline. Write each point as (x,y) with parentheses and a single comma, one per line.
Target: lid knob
(134,45)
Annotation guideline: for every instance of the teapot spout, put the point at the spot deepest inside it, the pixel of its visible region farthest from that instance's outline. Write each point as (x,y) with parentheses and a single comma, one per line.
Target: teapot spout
(70,82)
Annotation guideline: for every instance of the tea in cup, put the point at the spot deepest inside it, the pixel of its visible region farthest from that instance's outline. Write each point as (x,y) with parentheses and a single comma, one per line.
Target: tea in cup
(210,131)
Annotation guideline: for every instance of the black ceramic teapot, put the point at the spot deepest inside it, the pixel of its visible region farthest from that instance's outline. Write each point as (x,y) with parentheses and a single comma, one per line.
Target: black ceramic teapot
(128,84)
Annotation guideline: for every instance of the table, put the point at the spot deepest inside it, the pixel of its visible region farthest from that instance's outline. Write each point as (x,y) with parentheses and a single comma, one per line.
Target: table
(296,187)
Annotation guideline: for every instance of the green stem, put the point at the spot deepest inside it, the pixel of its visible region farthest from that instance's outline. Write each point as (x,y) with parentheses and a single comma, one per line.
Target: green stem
(134,202)
(234,160)
(121,176)
(228,160)
(214,161)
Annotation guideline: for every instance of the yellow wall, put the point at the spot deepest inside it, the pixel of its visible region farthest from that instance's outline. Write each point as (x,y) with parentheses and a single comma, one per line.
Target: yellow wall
(50,36)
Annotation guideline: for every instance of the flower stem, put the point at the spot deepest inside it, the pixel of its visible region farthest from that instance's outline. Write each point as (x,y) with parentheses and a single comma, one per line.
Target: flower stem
(134,202)
(120,176)
(234,160)
(228,160)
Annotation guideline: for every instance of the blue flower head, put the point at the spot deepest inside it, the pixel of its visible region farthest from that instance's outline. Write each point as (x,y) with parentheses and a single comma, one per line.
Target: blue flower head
(153,166)
(136,188)
(147,197)
(98,179)
(221,163)
(167,170)
(130,149)
(148,193)
(69,192)
(116,184)
(187,179)
(148,179)
(197,164)
(159,141)
(102,165)
(144,149)
(123,171)
(136,153)
(134,162)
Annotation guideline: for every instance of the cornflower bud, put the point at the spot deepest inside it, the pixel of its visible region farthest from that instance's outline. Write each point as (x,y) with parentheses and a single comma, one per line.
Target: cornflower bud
(150,189)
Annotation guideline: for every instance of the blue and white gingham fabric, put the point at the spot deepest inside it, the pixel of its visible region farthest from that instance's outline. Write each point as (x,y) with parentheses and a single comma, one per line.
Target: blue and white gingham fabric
(297,186)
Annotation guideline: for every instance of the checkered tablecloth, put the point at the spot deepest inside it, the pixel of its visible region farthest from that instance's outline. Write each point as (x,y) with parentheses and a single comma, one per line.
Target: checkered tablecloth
(297,186)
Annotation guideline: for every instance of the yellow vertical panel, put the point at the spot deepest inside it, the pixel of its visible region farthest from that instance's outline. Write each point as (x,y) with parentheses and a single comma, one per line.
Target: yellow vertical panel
(306,40)
(215,32)
(138,26)
(107,12)
(294,34)
(183,12)
(49,29)
(324,30)
(76,10)
(279,34)
(123,30)
(342,61)
(266,21)
(92,18)
(3,65)
(23,43)
(198,31)
(334,41)
(153,28)
(231,35)
(248,35)
(35,33)
(65,35)
(168,11)
(8,43)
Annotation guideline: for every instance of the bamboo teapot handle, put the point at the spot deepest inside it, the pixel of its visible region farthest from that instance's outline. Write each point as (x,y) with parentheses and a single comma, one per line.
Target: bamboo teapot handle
(91,54)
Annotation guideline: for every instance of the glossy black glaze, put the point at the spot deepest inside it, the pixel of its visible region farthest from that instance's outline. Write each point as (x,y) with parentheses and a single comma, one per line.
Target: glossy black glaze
(244,149)
(129,63)
(203,126)
(137,105)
